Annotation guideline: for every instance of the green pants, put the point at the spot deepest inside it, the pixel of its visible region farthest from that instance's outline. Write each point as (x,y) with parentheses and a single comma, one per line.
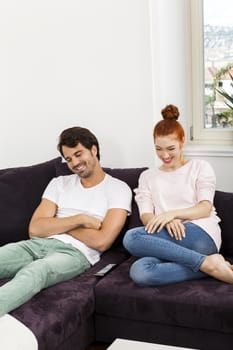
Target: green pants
(35,264)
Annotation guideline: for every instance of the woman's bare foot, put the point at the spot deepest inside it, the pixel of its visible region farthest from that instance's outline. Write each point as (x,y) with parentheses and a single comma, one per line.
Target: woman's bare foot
(216,266)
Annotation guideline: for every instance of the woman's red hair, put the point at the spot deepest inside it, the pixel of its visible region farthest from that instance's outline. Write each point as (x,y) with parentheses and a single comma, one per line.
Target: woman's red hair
(169,125)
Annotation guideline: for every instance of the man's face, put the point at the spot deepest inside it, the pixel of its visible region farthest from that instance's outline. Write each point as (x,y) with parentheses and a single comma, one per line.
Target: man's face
(80,160)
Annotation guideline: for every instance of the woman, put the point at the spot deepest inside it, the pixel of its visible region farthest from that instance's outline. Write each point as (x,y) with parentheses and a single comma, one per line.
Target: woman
(181,236)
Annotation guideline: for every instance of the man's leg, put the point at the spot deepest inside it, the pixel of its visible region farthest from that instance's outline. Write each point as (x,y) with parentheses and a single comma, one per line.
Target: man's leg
(13,257)
(62,263)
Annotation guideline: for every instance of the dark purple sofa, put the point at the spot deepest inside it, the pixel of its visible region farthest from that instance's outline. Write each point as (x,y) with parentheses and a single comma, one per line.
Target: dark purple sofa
(74,314)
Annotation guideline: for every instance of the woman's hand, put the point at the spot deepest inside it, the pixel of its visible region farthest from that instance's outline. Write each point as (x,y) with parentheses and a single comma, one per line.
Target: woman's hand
(157,223)
(176,229)
(174,226)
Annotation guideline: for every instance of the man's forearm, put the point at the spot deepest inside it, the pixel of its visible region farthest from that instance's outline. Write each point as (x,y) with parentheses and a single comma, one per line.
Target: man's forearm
(44,227)
(101,238)
(89,236)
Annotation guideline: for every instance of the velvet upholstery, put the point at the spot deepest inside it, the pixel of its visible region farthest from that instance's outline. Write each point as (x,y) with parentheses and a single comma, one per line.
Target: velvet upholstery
(72,314)
(197,314)
(61,316)
(57,315)
(20,191)
(205,305)
(223,202)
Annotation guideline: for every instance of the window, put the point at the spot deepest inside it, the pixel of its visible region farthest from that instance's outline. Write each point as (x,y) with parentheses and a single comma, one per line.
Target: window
(212,71)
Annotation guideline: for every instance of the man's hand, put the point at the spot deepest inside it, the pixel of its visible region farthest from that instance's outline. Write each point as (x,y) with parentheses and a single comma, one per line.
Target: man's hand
(91,222)
(88,229)
(44,223)
(102,238)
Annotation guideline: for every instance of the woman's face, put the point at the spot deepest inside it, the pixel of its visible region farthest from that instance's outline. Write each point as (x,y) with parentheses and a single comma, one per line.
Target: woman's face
(168,149)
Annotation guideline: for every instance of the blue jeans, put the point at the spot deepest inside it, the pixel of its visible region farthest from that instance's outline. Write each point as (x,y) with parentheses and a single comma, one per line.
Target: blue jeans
(35,264)
(164,260)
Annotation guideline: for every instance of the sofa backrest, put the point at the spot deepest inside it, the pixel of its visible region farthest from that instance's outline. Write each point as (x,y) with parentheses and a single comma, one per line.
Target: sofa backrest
(20,193)
(223,202)
(21,189)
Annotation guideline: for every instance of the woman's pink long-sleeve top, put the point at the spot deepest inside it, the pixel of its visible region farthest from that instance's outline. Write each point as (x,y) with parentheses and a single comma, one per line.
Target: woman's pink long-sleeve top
(161,191)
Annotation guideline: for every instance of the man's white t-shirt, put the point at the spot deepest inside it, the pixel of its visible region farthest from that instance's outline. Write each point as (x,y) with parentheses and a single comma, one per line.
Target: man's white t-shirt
(72,198)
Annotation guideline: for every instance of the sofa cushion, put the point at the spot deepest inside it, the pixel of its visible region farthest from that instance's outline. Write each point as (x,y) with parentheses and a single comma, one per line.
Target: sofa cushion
(130,176)
(20,192)
(61,167)
(66,308)
(223,202)
(57,312)
(189,304)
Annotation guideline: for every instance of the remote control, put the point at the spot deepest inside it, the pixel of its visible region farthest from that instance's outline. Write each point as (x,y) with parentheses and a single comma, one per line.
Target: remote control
(105,270)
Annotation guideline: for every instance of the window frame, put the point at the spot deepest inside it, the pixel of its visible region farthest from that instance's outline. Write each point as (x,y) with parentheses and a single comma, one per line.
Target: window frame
(198,133)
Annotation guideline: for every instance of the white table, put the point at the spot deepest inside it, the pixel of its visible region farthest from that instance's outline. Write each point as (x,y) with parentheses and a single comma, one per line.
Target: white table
(123,344)
(14,335)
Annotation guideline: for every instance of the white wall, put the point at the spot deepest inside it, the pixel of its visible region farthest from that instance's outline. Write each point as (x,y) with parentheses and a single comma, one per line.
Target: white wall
(109,65)
(75,62)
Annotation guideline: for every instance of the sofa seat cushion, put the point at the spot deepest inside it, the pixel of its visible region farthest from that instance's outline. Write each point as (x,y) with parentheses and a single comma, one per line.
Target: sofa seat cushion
(59,312)
(202,304)
(56,313)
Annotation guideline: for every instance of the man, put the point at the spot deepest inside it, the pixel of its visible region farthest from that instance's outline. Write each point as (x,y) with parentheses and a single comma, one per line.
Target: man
(79,217)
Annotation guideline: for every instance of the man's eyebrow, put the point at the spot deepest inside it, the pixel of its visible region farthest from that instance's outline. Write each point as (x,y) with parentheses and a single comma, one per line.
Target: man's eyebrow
(74,154)
(77,152)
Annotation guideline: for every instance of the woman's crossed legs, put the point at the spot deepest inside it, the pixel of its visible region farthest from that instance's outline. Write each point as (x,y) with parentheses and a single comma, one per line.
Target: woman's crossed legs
(164,260)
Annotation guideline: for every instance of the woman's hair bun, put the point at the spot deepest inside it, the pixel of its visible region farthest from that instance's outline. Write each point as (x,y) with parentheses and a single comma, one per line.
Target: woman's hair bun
(170,112)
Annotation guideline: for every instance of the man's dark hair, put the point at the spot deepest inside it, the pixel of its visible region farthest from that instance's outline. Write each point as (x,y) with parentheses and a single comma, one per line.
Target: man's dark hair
(72,136)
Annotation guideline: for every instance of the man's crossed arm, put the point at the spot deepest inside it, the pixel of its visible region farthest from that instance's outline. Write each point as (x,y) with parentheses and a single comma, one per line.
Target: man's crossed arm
(89,230)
